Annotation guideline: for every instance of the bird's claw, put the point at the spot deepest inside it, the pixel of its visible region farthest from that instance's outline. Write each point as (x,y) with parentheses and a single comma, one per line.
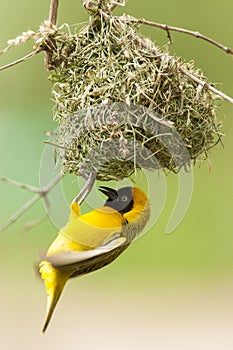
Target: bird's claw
(86,189)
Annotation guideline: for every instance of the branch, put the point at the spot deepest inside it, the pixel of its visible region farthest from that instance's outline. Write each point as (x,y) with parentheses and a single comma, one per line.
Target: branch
(30,55)
(35,222)
(206,85)
(20,212)
(20,185)
(40,193)
(50,185)
(53,11)
(46,31)
(168,28)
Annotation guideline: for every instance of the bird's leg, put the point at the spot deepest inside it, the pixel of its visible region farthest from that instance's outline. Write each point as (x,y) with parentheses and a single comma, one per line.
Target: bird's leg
(86,189)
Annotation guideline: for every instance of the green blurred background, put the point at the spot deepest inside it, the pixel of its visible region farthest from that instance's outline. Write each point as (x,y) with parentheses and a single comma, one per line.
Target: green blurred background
(167,291)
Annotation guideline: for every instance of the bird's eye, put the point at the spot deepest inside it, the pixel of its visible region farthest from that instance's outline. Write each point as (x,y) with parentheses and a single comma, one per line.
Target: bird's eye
(124,198)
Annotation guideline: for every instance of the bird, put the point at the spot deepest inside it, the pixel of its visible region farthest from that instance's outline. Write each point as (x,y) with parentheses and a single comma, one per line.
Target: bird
(90,241)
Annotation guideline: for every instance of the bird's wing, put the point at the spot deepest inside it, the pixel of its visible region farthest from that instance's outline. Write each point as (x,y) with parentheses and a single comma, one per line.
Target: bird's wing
(71,258)
(92,229)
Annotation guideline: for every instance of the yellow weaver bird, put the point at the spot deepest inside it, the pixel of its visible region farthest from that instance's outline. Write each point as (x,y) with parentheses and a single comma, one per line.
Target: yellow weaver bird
(92,240)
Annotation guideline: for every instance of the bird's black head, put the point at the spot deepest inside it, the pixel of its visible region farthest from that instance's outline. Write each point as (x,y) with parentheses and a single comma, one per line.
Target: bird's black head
(121,200)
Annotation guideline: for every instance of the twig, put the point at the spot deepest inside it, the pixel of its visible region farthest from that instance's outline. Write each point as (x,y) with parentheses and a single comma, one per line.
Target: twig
(30,55)
(53,11)
(40,193)
(48,55)
(20,212)
(206,85)
(35,222)
(168,28)
(20,185)
(50,185)
(169,36)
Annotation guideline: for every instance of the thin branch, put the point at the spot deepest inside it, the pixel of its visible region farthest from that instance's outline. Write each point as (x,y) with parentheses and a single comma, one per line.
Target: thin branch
(29,225)
(169,36)
(20,212)
(168,28)
(40,193)
(206,85)
(51,184)
(53,11)
(30,55)
(20,185)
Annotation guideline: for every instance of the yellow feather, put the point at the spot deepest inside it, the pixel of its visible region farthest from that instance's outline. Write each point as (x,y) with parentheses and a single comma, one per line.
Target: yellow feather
(54,283)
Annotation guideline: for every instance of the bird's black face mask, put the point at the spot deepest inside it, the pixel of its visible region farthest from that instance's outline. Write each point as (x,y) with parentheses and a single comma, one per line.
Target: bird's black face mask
(121,200)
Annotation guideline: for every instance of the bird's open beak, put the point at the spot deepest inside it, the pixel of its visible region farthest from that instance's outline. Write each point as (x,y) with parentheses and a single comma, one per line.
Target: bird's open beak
(109,192)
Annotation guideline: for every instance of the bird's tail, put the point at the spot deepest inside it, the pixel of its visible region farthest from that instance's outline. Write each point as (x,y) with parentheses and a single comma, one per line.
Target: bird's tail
(54,284)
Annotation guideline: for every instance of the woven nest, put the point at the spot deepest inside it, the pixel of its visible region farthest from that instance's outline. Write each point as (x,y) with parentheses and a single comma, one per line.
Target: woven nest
(122,103)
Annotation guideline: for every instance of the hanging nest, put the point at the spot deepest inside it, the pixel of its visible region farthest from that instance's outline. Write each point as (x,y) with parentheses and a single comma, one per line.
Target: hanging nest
(122,103)
(114,140)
